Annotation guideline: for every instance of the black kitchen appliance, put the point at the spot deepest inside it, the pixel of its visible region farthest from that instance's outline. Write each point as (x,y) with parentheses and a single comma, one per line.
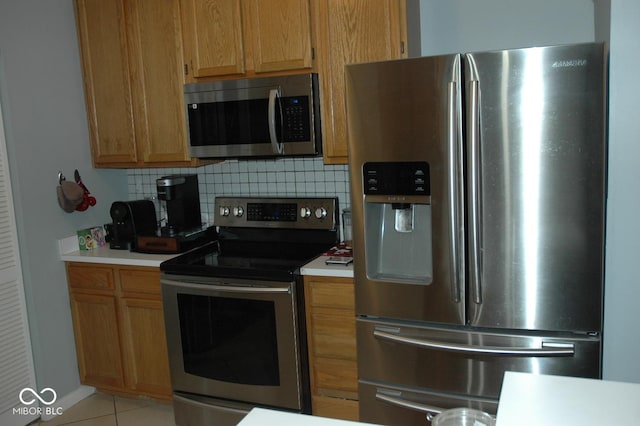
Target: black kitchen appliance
(234,309)
(131,218)
(183,229)
(180,193)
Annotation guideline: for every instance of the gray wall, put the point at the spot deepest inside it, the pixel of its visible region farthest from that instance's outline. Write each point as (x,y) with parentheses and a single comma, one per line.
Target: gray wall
(46,131)
(474,25)
(622,285)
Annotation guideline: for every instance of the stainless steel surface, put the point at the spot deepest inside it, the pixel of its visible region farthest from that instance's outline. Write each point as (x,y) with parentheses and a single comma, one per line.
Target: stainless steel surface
(289,393)
(191,410)
(399,112)
(293,213)
(516,214)
(467,361)
(535,183)
(270,89)
(541,187)
(402,405)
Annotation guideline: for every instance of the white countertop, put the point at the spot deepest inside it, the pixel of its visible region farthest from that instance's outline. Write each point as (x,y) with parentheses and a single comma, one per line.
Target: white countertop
(543,400)
(68,248)
(320,268)
(263,417)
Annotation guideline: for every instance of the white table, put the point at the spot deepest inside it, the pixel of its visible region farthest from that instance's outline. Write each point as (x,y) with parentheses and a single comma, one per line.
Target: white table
(262,417)
(543,400)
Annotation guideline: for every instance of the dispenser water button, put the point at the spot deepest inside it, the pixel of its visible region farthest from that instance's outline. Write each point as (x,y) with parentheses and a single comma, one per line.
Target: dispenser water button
(305,212)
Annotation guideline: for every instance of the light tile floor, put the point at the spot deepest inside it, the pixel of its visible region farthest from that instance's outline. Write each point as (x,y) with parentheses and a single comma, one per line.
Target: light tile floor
(101,409)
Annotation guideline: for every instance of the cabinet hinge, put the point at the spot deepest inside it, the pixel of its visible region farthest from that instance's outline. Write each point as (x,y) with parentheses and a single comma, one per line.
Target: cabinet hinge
(186,69)
(313,53)
(402,47)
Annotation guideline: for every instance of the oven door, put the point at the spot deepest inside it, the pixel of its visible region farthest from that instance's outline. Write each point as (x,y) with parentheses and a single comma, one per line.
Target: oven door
(233,339)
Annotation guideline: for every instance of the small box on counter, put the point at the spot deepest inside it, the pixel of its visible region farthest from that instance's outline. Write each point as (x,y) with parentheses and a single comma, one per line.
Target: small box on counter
(91,238)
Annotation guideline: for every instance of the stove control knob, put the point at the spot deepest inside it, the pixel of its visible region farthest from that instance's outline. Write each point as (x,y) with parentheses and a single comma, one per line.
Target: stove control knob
(305,212)
(224,211)
(238,211)
(321,212)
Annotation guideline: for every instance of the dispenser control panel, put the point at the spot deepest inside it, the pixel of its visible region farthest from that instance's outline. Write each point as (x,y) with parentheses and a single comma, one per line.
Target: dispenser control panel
(396,178)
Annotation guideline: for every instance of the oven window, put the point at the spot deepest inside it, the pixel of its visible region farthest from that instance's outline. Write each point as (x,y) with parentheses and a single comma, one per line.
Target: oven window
(228,339)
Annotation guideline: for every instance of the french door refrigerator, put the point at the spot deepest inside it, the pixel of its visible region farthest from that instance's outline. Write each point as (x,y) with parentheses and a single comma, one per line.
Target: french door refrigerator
(478,202)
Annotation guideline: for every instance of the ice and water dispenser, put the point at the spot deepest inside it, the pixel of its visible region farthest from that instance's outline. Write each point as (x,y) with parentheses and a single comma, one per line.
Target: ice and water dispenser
(397,221)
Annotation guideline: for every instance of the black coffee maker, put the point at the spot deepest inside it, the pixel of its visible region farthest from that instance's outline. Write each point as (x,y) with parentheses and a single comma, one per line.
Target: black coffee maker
(180,193)
(130,219)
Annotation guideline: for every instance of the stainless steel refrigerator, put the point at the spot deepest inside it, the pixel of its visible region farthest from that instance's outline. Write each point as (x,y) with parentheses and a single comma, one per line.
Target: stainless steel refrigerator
(478,201)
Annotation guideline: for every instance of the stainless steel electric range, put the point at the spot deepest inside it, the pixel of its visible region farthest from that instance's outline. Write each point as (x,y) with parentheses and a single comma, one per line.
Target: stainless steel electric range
(234,309)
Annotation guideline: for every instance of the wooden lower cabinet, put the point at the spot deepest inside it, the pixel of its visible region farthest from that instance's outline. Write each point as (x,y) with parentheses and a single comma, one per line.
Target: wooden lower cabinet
(331,337)
(119,328)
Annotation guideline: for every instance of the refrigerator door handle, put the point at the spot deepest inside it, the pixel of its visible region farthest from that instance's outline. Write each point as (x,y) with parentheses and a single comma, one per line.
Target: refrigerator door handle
(454,191)
(549,349)
(430,410)
(475,242)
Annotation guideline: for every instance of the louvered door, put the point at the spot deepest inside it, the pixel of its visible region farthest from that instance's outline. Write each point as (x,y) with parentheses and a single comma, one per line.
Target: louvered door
(16,361)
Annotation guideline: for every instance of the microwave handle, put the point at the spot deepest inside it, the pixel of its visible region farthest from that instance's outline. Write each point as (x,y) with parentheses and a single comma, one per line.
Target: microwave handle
(277,146)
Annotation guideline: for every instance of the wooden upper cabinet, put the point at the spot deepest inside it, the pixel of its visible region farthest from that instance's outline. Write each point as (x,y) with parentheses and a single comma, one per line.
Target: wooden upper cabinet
(132,64)
(212,36)
(156,65)
(352,31)
(280,34)
(233,38)
(105,62)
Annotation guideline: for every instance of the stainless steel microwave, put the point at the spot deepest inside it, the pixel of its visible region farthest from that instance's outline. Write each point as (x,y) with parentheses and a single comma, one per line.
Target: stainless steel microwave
(255,117)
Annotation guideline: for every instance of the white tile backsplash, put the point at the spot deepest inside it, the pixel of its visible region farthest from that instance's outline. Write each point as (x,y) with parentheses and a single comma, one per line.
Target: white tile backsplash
(282,177)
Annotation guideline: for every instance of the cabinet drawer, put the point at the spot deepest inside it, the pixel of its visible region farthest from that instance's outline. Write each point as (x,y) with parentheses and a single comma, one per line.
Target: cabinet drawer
(333,333)
(338,293)
(90,277)
(145,281)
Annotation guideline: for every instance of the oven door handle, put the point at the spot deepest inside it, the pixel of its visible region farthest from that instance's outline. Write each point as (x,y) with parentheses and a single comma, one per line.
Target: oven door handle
(228,288)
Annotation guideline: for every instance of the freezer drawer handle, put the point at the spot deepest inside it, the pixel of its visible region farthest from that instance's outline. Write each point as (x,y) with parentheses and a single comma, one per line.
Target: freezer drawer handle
(547,349)
(431,410)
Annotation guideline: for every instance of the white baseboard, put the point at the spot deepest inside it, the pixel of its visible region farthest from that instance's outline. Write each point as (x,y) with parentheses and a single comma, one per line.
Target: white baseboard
(71,399)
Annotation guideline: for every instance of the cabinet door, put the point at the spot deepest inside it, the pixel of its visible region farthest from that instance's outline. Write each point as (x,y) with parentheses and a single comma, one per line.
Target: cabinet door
(212,36)
(145,347)
(95,326)
(353,31)
(280,34)
(158,78)
(105,66)
(331,340)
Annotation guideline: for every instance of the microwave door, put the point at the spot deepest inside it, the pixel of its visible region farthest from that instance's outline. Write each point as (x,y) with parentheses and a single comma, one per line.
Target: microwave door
(264,117)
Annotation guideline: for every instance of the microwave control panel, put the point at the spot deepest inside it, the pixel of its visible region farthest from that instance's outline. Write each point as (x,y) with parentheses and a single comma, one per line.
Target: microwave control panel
(296,124)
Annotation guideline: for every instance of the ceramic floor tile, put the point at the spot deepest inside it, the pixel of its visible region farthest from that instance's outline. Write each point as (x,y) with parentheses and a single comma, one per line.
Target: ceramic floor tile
(109,420)
(95,405)
(153,415)
(125,404)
